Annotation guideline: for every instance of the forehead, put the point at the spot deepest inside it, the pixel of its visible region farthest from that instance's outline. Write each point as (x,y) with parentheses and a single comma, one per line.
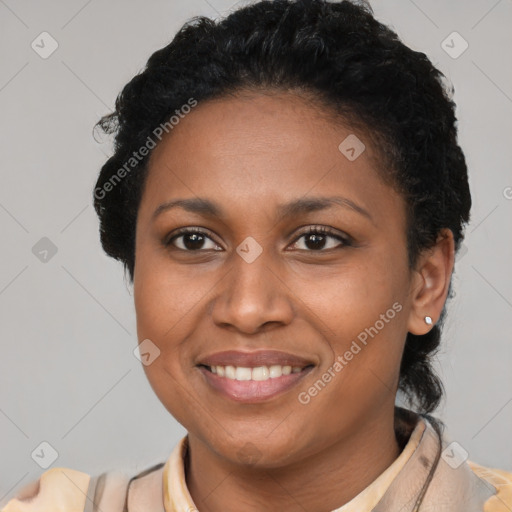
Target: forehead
(250,124)
(255,149)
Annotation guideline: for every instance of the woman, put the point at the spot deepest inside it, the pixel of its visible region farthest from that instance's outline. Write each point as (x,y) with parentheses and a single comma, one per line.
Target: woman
(287,195)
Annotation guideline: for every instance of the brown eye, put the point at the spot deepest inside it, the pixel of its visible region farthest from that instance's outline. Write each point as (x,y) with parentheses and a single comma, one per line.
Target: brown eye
(191,240)
(320,238)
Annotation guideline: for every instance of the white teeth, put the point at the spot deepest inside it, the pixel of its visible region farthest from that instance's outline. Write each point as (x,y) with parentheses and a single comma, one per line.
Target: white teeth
(242,373)
(258,373)
(275,371)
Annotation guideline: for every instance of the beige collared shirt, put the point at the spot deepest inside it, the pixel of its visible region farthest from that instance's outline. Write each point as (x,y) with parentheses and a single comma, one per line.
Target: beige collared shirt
(179,499)
(65,490)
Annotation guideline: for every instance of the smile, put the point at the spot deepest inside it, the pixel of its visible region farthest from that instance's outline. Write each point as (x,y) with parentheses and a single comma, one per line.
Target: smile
(250,385)
(259,373)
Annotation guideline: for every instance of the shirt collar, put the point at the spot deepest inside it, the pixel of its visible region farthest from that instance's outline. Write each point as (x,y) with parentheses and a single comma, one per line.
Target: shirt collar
(409,428)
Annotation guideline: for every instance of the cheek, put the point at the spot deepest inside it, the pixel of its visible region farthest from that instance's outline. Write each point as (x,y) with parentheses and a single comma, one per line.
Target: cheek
(165,295)
(162,304)
(365,331)
(363,311)
(168,302)
(354,297)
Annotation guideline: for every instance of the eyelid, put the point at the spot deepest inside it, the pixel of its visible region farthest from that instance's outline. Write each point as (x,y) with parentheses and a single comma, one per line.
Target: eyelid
(167,241)
(325,230)
(345,239)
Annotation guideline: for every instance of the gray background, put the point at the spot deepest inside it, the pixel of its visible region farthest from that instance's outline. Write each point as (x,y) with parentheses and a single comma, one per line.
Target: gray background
(68,375)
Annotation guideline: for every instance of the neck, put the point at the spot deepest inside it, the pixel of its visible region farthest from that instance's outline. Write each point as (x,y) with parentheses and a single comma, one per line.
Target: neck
(322,482)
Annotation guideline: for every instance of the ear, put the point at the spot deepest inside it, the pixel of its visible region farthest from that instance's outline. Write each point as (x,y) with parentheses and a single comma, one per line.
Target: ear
(431,282)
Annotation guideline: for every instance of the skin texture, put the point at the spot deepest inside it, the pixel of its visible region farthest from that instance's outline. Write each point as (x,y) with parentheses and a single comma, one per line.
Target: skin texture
(249,154)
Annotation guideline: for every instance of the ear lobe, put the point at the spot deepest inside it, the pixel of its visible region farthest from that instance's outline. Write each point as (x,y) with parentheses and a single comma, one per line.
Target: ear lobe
(431,283)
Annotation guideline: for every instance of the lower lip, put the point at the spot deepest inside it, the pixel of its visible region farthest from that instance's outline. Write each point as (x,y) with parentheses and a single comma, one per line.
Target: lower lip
(250,391)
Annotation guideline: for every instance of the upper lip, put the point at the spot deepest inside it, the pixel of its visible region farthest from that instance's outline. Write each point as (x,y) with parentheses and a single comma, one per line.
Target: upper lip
(254,359)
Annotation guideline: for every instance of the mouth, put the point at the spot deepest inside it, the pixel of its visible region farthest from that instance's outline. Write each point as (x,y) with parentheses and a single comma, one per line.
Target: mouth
(253,384)
(258,373)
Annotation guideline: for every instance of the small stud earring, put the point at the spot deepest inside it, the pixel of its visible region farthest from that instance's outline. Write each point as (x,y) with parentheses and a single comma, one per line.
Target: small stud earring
(428,320)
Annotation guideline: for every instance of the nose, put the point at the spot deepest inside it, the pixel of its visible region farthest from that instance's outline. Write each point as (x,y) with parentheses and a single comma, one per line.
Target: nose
(252,296)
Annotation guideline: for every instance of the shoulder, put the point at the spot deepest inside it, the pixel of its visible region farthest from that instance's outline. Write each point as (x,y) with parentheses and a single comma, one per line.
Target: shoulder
(501,480)
(65,490)
(60,488)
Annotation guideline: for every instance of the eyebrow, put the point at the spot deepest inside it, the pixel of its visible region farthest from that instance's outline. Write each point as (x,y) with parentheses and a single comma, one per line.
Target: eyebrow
(208,208)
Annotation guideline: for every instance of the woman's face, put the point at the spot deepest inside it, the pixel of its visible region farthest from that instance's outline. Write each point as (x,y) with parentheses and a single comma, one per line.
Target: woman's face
(334,305)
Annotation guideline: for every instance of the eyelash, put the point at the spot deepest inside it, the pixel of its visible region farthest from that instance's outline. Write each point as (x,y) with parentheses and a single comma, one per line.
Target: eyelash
(317,230)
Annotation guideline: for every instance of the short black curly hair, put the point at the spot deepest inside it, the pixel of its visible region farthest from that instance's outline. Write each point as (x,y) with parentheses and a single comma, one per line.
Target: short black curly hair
(354,66)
